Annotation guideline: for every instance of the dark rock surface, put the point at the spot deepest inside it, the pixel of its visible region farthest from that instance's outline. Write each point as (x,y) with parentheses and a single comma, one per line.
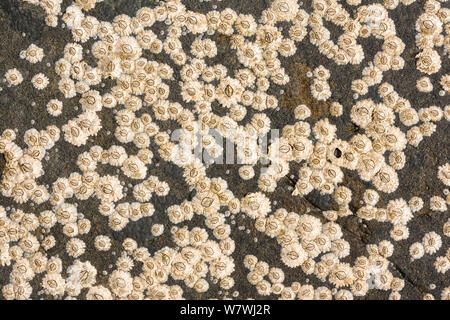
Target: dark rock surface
(22,24)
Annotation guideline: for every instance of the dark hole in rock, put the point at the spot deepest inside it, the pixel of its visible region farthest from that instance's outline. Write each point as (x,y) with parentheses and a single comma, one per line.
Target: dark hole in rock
(337,153)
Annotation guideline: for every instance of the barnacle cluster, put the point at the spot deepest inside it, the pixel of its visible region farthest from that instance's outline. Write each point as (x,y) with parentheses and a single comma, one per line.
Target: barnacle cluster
(173,92)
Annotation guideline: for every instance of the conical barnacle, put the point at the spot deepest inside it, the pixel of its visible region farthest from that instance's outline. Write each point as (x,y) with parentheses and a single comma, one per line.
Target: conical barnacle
(442,264)
(361,113)
(13,77)
(435,113)
(40,81)
(444,174)
(408,116)
(431,242)
(397,160)
(320,90)
(372,75)
(438,204)
(33,54)
(399,232)
(428,61)
(427,129)
(398,211)
(424,85)
(293,255)
(342,195)
(336,109)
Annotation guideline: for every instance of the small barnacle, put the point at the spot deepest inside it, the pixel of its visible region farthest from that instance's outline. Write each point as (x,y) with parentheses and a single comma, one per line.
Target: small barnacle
(261,268)
(341,275)
(302,112)
(13,77)
(309,227)
(124,263)
(393,45)
(117,221)
(117,155)
(320,90)
(365,30)
(322,293)
(340,248)
(70,230)
(424,85)
(33,54)
(414,136)
(382,61)
(91,101)
(98,293)
(324,131)
(399,232)
(306,292)
(397,160)
(342,195)
(385,89)
(51,21)
(321,73)
(435,113)
(361,113)
(157,230)
(73,53)
(336,109)
(438,204)
(445,294)
(47,219)
(361,143)
(75,247)
(297,32)
(54,107)
(54,265)
(442,264)
(445,82)
(102,243)
(129,245)
(40,195)
(428,61)
(386,179)
(444,174)
(385,248)
(67,87)
(162,188)
(408,116)
(344,294)
(255,205)
(134,168)
(372,75)
(293,255)
(48,242)
(431,242)
(415,204)
(427,129)
(40,81)
(108,189)
(84,226)
(128,48)
(86,5)
(121,283)
(271,226)
(146,16)
(90,25)
(53,284)
(122,25)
